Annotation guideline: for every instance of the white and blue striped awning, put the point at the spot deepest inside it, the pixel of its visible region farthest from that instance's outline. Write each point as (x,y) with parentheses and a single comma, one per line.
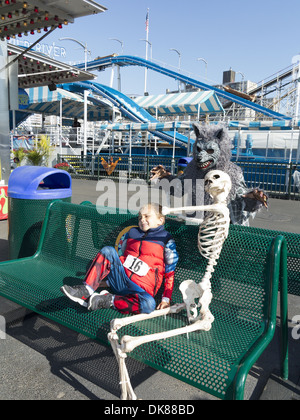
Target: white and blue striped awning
(42,100)
(181,103)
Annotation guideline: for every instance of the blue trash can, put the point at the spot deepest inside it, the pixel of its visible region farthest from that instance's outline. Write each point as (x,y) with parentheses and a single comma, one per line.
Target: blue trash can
(30,190)
(183,163)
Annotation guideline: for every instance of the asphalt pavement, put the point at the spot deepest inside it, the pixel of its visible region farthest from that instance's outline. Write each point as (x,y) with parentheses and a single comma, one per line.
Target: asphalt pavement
(41,360)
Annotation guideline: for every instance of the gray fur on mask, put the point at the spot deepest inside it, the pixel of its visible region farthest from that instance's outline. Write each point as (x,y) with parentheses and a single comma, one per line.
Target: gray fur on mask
(218,134)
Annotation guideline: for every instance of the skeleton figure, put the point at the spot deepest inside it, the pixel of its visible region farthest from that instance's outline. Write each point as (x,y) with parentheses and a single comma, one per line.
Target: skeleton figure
(212,235)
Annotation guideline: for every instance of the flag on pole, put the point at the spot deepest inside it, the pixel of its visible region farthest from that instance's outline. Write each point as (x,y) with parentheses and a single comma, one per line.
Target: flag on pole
(147,21)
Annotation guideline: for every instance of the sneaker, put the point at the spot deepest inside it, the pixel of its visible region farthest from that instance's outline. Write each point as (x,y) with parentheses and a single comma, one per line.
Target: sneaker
(100,301)
(78,294)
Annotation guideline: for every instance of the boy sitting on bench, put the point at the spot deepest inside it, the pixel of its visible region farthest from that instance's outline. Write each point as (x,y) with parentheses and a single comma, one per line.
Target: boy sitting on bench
(149,258)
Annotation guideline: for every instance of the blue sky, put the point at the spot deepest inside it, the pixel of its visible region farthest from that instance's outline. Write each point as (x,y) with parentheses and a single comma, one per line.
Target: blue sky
(257,38)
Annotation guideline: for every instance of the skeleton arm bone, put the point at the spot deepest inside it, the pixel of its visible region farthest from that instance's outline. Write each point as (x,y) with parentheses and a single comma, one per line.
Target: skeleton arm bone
(215,208)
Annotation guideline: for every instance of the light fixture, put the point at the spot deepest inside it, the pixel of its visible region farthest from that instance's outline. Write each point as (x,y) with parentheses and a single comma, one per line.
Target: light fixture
(29,16)
(52,87)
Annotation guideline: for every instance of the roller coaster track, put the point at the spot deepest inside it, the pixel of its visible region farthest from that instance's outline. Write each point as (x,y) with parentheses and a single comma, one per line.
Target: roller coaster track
(129,108)
(272,80)
(123,60)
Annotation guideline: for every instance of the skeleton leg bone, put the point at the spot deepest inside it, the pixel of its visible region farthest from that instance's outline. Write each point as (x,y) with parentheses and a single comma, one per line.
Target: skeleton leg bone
(127,391)
(118,323)
(128,343)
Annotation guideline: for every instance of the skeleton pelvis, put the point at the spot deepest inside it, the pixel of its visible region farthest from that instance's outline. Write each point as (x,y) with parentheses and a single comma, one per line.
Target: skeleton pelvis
(190,292)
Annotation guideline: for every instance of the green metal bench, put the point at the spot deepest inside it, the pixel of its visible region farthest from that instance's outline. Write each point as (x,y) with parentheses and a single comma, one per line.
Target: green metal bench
(245,288)
(293,253)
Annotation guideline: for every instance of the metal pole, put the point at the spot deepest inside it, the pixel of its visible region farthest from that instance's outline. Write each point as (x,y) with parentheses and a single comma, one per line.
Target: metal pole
(298,152)
(146,69)
(147,47)
(4,115)
(119,79)
(292,144)
(296,116)
(60,131)
(112,76)
(174,151)
(84,46)
(179,66)
(205,62)
(86,93)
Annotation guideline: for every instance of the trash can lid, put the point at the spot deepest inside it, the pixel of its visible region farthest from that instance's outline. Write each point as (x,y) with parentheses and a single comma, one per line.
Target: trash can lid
(39,183)
(184,161)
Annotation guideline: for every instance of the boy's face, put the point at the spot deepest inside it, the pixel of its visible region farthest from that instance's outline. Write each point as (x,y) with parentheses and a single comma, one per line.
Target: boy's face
(148,219)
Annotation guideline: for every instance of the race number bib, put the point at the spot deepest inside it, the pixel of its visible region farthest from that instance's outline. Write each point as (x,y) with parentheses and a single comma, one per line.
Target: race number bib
(136,265)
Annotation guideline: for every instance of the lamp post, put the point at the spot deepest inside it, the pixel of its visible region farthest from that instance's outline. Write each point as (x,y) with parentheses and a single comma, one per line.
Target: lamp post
(86,52)
(84,46)
(150,44)
(121,42)
(243,79)
(118,67)
(179,65)
(205,62)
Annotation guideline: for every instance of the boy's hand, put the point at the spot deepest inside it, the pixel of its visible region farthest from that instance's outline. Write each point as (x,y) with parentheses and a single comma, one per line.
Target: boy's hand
(163,305)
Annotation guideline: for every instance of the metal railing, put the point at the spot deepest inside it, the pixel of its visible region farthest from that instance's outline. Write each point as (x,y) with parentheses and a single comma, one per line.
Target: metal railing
(134,167)
(276,178)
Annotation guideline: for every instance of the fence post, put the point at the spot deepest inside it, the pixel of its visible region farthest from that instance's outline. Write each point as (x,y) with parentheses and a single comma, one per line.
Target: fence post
(129,166)
(2,328)
(290,170)
(148,169)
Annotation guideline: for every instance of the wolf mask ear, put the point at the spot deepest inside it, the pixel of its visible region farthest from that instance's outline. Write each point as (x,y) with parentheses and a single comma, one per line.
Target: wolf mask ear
(197,130)
(219,133)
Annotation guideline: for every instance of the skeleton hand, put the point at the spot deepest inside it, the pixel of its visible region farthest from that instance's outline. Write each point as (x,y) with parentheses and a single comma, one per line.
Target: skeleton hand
(165,211)
(255,199)
(159,172)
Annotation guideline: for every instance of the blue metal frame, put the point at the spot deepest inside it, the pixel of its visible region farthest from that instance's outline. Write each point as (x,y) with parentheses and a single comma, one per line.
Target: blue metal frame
(137,61)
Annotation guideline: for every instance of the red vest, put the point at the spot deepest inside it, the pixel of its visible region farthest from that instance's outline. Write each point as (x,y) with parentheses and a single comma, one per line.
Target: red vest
(148,247)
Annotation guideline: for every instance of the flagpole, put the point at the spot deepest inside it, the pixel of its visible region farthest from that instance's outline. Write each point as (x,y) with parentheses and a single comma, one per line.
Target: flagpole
(147,47)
